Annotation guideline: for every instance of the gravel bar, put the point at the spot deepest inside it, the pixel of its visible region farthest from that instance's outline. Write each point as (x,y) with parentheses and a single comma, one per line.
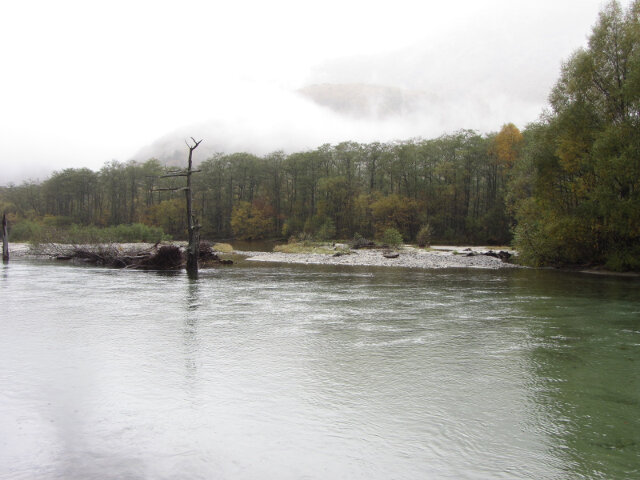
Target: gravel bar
(408,258)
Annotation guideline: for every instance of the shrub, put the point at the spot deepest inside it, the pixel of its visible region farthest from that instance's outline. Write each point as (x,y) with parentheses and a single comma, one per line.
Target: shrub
(24,231)
(624,259)
(391,237)
(424,236)
(360,242)
(78,234)
(302,237)
(327,230)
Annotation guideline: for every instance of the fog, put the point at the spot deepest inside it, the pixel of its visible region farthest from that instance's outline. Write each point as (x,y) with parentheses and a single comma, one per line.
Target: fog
(84,83)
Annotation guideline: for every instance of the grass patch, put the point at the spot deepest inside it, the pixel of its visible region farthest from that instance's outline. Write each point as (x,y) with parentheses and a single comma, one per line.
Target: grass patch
(222,247)
(49,232)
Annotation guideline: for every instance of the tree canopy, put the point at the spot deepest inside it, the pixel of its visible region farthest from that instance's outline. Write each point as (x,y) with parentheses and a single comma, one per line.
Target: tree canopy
(582,159)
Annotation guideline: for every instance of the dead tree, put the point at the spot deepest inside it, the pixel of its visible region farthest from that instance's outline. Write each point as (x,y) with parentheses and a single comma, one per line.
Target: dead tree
(193,226)
(5,239)
(194,229)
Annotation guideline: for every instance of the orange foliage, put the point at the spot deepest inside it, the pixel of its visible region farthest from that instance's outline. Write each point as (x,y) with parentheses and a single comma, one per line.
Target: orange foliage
(506,145)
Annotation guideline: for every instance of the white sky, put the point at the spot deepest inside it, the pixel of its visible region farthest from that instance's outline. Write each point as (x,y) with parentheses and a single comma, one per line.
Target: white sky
(85,82)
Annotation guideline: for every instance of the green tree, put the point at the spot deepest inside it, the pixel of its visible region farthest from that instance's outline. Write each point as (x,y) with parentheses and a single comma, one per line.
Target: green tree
(585,155)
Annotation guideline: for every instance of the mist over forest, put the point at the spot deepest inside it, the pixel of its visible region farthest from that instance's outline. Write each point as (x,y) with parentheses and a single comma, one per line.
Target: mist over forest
(240,76)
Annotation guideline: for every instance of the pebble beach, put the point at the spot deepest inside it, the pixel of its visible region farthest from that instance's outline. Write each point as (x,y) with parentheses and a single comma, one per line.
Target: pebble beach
(409,257)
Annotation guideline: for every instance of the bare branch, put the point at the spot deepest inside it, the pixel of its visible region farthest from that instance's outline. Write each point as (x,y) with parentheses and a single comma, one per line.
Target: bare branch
(196,143)
(180,189)
(179,174)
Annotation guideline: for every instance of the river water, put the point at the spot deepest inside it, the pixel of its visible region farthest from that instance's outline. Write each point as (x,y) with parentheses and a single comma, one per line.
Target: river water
(298,372)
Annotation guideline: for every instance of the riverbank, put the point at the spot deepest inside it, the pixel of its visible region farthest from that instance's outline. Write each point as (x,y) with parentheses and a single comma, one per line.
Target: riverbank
(437,257)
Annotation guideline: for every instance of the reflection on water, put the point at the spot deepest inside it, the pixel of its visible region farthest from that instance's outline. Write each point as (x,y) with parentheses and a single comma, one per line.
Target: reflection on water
(315,372)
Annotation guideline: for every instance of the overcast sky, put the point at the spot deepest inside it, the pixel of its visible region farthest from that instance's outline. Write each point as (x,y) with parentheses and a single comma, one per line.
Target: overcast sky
(83,82)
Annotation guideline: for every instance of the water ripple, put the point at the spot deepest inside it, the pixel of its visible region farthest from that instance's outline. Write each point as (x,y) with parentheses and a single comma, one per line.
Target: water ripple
(311,372)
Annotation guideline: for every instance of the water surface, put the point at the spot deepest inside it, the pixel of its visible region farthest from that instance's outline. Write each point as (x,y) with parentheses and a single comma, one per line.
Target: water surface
(297,372)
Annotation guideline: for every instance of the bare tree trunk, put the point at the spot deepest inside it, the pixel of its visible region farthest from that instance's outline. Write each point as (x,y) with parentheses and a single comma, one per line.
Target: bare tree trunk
(5,239)
(194,229)
(193,248)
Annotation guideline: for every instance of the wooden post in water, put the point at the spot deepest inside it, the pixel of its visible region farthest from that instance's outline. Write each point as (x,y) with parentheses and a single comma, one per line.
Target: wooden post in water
(5,239)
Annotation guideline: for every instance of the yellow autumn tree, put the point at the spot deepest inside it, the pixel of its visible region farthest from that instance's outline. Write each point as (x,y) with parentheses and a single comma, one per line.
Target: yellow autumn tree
(249,222)
(506,145)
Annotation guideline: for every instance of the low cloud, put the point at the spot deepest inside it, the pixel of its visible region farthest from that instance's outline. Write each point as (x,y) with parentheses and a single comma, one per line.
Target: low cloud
(232,75)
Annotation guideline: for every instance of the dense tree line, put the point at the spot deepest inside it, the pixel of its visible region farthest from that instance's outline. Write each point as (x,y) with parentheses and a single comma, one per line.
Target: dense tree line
(455,183)
(120,193)
(575,189)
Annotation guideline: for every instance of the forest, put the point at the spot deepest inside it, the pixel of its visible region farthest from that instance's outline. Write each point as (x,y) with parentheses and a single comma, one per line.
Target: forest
(457,184)
(564,191)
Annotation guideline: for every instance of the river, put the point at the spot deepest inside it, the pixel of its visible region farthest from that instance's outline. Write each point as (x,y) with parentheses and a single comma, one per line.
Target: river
(309,372)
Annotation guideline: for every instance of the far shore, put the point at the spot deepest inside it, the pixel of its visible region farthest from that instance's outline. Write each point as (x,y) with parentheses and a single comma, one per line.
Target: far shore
(436,257)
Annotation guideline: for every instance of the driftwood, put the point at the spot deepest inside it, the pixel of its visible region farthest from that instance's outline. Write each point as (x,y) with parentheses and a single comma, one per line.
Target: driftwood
(502,255)
(363,243)
(390,254)
(157,257)
(167,257)
(208,257)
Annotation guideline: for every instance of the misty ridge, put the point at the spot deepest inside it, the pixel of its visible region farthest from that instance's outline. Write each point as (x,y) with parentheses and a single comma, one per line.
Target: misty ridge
(318,114)
(419,91)
(369,101)
(311,116)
